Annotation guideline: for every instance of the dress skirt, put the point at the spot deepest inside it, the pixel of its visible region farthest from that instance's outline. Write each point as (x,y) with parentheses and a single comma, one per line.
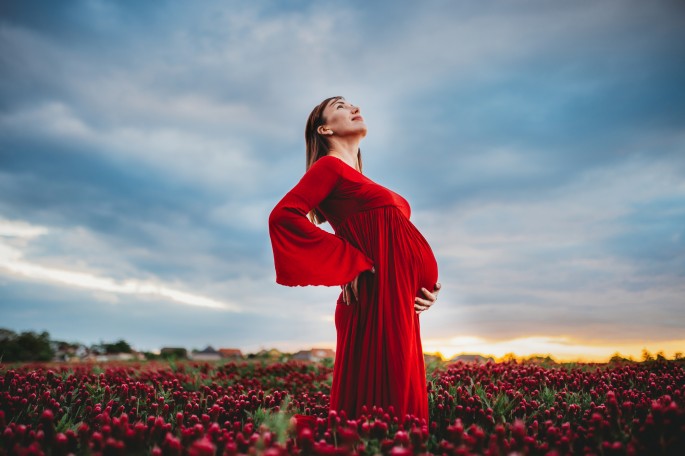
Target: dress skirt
(379,358)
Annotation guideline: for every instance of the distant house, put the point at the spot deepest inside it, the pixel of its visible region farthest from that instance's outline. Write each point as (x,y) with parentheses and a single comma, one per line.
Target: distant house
(208,354)
(231,353)
(319,354)
(471,358)
(69,352)
(314,355)
(302,355)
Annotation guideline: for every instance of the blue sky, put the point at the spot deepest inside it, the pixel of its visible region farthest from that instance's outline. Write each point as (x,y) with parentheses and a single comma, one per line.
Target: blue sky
(541,145)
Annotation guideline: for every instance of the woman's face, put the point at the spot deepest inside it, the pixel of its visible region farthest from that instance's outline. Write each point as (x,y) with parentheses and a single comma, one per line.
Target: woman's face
(342,119)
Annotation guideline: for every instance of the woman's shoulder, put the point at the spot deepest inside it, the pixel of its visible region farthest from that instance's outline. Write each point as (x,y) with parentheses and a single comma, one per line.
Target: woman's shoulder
(328,165)
(332,167)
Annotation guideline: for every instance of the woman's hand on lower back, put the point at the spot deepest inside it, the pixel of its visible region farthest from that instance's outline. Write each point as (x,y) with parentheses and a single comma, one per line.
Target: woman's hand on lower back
(350,290)
(421,304)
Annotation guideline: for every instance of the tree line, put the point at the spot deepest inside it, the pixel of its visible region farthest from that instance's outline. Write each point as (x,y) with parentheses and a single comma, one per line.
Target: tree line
(34,346)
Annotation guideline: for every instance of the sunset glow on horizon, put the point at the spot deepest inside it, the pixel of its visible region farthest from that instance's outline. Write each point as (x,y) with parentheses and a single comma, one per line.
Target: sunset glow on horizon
(561,349)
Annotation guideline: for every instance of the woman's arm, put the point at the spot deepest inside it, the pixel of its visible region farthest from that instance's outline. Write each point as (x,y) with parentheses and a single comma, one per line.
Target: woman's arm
(304,254)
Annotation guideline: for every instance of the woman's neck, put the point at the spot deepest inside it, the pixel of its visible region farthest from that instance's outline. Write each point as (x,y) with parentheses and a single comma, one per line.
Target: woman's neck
(347,151)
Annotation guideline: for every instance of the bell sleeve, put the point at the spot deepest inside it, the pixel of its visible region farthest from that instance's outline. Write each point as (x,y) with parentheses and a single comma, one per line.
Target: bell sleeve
(304,254)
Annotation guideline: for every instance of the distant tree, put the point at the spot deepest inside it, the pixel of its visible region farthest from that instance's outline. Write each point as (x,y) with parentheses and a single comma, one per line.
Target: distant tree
(509,357)
(26,346)
(36,346)
(172,353)
(120,346)
(8,347)
(646,355)
(661,357)
(97,349)
(6,334)
(618,358)
(678,356)
(540,359)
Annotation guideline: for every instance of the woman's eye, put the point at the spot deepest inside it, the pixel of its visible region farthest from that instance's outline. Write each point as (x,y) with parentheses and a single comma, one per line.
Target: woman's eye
(339,106)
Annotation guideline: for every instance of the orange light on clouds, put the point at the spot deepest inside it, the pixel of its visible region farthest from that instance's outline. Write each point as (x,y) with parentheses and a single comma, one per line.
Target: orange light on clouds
(563,349)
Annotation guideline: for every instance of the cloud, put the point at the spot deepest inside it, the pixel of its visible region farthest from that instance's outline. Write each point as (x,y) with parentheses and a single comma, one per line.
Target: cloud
(540,146)
(150,322)
(560,263)
(20,229)
(11,261)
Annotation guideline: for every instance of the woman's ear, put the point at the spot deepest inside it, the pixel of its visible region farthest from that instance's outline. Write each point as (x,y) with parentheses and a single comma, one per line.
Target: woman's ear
(324,130)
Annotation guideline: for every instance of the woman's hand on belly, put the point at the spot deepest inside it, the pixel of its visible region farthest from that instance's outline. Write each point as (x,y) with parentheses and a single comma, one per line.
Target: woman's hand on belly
(421,304)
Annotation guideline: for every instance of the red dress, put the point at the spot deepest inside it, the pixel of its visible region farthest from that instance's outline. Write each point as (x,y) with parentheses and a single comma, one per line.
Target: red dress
(379,359)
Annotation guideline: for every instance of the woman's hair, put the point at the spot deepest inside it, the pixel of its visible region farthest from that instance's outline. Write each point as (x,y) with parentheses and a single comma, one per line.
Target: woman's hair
(317,146)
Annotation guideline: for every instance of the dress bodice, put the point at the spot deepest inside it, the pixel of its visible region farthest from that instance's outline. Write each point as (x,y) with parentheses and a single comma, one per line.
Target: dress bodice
(354,192)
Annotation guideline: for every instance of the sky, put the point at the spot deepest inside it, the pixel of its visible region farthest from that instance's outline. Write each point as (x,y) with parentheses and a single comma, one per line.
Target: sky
(540,144)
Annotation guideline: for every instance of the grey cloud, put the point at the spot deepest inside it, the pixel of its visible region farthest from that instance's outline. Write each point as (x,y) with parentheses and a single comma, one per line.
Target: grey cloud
(539,145)
(597,251)
(148,324)
(157,224)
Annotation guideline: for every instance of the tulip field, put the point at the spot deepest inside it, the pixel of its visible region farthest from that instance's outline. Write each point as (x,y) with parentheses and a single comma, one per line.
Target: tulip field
(186,408)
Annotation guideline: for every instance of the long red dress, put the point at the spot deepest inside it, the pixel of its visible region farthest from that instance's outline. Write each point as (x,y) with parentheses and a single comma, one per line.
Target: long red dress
(379,359)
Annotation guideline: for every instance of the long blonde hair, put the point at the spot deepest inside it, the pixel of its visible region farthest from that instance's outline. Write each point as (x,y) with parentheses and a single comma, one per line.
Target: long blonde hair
(317,146)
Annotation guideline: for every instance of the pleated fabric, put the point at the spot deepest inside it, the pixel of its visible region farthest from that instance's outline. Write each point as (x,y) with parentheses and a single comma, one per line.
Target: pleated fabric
(379,356)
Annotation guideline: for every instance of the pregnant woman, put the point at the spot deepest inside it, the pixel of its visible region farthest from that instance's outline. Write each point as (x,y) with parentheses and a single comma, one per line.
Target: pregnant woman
(378,257)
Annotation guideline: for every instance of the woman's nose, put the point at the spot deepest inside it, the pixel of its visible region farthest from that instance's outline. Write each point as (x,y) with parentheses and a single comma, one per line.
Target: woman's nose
(355,109)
